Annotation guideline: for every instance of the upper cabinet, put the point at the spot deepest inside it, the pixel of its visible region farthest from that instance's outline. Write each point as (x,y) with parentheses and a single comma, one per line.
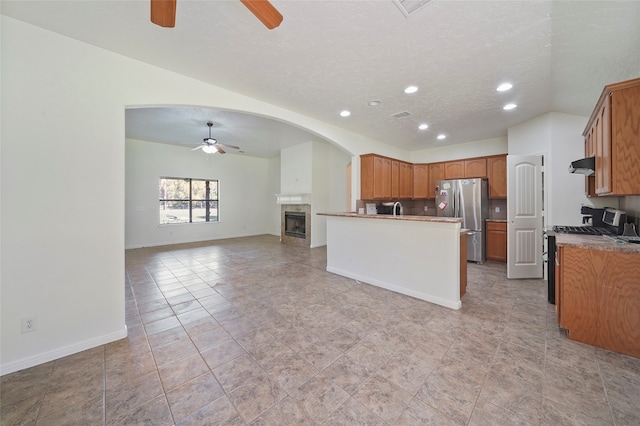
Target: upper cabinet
(497,173)
(475,168)
(421,186)
(454,170)
(436,173)
(383,178)
(613,136)
(375,177)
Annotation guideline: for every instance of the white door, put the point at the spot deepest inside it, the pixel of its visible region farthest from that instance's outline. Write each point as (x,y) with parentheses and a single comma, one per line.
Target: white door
(524,214)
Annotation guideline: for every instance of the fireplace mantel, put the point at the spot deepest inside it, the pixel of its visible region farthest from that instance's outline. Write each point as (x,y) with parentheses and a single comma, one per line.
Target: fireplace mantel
(293,198)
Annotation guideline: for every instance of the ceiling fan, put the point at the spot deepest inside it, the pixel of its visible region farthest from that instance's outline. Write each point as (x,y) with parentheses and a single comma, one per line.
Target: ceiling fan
(163,12)
(211,146)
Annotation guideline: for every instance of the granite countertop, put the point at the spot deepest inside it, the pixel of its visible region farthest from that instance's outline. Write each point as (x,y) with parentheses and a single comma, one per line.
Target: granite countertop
(596,242)
(391,217)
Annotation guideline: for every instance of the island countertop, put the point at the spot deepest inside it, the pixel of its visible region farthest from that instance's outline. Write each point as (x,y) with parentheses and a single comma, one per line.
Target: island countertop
(398,217)
(596,242)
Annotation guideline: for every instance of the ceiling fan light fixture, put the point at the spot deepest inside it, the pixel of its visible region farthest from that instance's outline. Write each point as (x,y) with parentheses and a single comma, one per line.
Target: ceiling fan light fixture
(209,149)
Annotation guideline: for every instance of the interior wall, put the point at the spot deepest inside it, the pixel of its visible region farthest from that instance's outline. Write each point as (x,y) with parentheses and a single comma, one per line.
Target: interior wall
(273,222)
(64,203)
(480,148)
(243,190)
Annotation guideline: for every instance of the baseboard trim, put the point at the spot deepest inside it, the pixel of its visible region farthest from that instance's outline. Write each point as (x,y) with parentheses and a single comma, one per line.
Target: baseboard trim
(34,360)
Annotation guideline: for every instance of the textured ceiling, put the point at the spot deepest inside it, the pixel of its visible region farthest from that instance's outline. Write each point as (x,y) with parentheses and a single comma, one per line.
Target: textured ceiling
(332,55)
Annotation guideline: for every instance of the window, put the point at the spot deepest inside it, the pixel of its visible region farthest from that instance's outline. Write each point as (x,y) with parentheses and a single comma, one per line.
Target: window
(186,200)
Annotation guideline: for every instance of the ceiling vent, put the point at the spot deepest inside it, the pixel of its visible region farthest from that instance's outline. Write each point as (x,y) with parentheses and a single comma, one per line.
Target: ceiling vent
(401,114)
(407,7)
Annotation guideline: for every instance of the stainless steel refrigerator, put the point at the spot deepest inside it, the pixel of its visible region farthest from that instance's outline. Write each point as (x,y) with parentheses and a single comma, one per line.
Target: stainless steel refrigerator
(468,199)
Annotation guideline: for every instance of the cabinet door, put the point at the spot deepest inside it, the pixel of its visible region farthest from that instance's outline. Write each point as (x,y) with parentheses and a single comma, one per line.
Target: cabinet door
(406,181)
(619,299)
(496,242)
(436,173)
(602,134)
(454,170)
(497,176)
(579,301)
(421,187)
(381,178)
(366,177)
(590,151)
(475,168)
(395,179)
(625,140)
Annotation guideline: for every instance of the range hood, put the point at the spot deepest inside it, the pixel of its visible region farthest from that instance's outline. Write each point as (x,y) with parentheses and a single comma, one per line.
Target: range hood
(585,166)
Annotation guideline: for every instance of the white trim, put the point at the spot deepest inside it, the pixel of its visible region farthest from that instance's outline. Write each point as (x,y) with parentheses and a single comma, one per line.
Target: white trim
(61,352)
(398,289)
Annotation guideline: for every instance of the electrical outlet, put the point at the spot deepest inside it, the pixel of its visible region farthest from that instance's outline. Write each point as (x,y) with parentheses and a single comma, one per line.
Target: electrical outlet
(497,209)
(29,324)
(426,208)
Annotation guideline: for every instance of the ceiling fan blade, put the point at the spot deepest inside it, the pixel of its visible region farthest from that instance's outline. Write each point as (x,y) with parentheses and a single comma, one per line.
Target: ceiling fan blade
(265,12)
(197,147)
(228,146)
(220,150)
(163,13)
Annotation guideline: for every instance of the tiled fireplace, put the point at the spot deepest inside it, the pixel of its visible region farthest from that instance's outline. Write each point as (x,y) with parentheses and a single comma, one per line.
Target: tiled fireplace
(295,224)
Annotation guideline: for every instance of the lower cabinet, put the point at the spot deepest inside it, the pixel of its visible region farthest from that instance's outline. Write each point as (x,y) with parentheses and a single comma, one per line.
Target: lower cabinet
(496,242)
(597,298)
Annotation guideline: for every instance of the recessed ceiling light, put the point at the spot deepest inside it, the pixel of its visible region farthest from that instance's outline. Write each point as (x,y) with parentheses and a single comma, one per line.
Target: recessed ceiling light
(442,136)
(504,87)
(507,107)
(374,103)
(423,126)
(411,89)
(345,113)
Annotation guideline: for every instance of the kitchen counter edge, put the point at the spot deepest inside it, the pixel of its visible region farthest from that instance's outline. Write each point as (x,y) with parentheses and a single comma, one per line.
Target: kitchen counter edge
(391,217)
(595,242)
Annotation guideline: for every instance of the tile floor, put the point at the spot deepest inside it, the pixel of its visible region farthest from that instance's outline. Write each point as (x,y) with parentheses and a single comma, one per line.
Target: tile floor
(249,331)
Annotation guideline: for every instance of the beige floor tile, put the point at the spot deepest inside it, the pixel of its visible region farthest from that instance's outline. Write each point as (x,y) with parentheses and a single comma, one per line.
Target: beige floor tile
(234,309)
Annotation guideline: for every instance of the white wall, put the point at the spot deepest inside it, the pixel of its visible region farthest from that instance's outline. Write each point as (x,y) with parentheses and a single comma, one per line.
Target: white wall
(296,169)
(558,137)
(478,148)
(273,221)
(317,168)
(243,189)
(63,204)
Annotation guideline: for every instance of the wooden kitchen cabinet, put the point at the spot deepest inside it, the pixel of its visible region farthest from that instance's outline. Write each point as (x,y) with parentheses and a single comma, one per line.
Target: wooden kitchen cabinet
(475,168)
(496,241)
(375,177)
(383,178)
(421,188)
(454,170)
(597,298)
(405,180)
(497,172)
(612,134)
(436,173)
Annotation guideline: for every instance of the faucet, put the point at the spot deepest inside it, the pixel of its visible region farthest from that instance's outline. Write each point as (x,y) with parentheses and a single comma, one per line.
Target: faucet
(397,203)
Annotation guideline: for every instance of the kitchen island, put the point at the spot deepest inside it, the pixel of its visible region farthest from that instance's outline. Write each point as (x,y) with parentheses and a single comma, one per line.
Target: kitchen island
(419,256)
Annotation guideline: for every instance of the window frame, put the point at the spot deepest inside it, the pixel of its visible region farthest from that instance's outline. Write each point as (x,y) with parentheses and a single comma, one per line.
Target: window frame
(191,200)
